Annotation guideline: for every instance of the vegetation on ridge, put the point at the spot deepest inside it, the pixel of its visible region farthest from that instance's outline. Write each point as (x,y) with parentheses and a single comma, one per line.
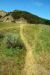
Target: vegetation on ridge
(30,18)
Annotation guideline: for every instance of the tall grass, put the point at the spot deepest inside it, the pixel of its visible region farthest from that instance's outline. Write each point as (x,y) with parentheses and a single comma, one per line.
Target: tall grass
(12,50)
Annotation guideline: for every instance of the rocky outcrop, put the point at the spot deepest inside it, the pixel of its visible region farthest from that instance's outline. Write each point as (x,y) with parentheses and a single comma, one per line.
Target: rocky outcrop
(7,17)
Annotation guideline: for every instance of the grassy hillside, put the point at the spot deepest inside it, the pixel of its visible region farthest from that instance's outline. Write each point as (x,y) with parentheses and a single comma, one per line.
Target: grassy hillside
(17,14)
(13,51)
(30,18)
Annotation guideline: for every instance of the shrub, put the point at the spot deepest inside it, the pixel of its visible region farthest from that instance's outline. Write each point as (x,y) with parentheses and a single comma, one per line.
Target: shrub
(0,16)
(1,35)
(13,41)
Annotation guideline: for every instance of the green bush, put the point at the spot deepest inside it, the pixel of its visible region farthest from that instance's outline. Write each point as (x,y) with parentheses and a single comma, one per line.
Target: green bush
(13,41)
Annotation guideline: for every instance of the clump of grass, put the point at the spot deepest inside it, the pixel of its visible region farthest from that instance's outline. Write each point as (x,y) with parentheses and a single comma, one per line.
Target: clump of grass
(13,41)
(1,35)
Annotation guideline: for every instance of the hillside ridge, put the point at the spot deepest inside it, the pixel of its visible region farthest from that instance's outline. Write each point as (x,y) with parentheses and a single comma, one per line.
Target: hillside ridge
(18,15)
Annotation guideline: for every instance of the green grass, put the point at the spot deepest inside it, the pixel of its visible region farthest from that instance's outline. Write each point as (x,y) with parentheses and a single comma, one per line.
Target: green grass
(11,59)
(39,35)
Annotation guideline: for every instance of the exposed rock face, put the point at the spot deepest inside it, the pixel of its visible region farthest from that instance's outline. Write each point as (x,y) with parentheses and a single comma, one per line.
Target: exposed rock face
(2,13)
(6,17)
(21,20)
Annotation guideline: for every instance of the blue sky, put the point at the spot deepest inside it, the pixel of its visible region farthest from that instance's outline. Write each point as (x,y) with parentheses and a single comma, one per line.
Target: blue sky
(37,7)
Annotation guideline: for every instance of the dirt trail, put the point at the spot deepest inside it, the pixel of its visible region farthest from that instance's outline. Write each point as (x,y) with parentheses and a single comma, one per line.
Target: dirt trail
(29,60)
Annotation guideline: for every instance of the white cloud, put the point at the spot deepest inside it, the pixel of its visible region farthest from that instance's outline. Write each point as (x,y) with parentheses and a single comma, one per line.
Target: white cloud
(39,4)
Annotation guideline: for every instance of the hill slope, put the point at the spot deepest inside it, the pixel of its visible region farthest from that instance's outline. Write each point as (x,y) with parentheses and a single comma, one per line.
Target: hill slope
(16,15)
